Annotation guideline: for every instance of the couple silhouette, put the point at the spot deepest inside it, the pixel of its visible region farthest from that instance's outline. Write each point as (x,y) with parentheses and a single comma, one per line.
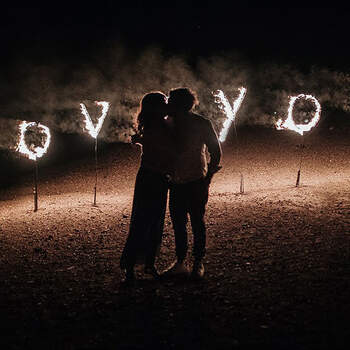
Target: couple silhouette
(174,141)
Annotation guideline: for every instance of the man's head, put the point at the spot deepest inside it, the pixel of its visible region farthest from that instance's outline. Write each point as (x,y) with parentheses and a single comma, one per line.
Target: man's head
(181,100)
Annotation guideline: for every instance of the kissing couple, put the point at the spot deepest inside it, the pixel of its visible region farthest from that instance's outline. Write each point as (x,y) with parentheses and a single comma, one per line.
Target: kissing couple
(174,142)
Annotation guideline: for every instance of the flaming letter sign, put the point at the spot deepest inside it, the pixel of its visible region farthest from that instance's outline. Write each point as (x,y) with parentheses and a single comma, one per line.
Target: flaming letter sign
(37,152)
(33,152)
(94,131)
(299,128)
(229,111)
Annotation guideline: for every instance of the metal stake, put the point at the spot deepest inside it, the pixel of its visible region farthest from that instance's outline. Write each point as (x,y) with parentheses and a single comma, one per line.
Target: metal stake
(301,159)
(241,187)
(95,187)
(35,188)
(298,179)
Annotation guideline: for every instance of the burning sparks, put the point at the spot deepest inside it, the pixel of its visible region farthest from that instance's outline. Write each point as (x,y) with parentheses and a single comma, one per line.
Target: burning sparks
(229,111)
(34,152)
(299,128)
(94,130)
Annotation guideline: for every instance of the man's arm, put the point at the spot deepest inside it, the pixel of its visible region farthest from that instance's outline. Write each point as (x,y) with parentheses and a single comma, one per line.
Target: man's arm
(214,149)
(137,139)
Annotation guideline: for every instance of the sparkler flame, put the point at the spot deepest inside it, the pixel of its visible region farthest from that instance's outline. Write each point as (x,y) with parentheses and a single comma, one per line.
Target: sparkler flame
(299,128)
(37,152)
(230,112)
(94,130)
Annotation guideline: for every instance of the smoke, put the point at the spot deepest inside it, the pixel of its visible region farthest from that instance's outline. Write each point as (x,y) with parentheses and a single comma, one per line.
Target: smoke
(51,92)
(9,133)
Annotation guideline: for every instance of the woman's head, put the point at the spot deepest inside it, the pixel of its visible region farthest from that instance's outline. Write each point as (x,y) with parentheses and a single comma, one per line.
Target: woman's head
(153,107)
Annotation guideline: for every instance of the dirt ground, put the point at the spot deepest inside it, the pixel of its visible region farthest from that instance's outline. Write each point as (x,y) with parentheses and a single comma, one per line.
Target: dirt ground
(277,263)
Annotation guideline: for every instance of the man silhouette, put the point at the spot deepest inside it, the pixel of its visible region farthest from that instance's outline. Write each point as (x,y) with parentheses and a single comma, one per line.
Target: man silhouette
(189,187)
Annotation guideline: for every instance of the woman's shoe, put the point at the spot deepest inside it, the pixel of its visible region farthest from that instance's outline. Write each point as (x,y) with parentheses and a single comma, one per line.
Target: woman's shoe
(130,278)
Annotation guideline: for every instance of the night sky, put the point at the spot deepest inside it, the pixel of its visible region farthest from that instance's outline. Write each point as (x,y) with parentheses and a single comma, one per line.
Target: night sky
(302,36)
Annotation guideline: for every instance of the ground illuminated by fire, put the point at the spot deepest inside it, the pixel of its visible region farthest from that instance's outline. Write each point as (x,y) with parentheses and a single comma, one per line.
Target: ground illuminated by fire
(277,262)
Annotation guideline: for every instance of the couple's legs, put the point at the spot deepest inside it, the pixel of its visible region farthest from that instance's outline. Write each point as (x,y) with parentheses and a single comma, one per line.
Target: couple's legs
(147,219)
(198,202)
(156,229)
(190,198)
(178,207)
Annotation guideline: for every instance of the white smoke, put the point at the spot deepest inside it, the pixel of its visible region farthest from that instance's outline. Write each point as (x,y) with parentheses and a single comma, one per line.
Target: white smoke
(52,93)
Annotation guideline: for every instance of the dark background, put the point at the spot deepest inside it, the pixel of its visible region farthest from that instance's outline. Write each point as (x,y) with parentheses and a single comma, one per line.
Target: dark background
(54,56)
(300,35)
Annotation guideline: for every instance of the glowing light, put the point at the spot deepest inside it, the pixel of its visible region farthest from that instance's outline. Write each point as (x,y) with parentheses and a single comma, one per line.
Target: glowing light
(94,130)
(230,112)
(299,128)
(35,152)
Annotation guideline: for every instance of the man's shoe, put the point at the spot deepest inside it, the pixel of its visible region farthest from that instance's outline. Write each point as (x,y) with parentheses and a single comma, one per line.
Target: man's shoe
(198,270)
(176,269)
(151,270)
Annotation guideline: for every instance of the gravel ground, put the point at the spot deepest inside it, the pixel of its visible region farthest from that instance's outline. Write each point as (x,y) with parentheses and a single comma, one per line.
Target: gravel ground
(277,263)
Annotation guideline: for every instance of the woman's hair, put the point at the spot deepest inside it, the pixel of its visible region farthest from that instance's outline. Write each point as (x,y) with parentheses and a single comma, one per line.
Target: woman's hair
(183,99)
(149,105)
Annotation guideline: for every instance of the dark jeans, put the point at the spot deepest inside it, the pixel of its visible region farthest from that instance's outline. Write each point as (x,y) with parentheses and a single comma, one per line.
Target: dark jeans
(189,198)
(147,219)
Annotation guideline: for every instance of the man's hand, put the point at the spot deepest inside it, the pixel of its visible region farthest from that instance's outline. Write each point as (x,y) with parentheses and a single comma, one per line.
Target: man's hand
(211,173)
(136,139)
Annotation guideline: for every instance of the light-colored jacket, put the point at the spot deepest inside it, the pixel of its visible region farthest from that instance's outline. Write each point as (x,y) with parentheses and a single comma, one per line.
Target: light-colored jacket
(194,136)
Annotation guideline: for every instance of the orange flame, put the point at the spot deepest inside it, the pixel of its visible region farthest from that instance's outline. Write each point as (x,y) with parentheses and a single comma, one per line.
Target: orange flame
(299,128)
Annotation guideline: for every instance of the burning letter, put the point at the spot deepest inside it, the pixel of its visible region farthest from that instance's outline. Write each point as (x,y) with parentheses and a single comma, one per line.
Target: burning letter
(94,131)
(229,111)
(33,152)
(299,128)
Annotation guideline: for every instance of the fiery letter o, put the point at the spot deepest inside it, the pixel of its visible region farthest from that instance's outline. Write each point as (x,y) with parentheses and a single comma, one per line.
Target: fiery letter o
(38,151)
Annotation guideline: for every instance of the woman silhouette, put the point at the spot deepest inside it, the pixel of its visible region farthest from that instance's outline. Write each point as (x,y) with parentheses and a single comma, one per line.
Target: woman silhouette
(151,186)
